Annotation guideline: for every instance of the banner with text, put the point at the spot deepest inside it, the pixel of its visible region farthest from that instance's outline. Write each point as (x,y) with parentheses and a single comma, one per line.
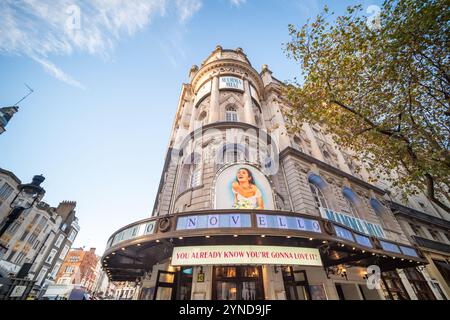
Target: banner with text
(245,254)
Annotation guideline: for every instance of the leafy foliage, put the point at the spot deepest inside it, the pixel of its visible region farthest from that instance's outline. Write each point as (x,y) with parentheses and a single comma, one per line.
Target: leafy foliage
(381,88)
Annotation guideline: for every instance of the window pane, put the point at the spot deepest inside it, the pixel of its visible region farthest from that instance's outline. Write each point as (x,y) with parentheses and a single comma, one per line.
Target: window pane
(164,293)
(249,272)
(226,290)
(299,276)
(226,272)
(248,290)
(166,277)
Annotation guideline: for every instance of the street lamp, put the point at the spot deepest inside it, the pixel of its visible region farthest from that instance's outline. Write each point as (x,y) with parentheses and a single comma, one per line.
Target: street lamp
(28,193)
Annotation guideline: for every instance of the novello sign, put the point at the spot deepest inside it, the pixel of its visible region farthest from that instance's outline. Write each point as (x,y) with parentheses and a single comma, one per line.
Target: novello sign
(245,254)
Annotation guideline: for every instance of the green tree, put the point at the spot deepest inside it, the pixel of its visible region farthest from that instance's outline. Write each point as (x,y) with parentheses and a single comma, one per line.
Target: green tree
(380,87)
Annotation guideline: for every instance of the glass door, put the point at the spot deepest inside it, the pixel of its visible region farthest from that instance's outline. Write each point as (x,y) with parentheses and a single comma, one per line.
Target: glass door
(184,283)
(165,285)
(237,283)
(296,284)
(392,286)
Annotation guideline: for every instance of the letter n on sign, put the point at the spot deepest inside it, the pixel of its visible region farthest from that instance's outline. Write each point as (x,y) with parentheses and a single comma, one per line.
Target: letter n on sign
(191,222)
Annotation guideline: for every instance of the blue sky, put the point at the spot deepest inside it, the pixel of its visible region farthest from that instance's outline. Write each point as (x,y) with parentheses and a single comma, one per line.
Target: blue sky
(98,124)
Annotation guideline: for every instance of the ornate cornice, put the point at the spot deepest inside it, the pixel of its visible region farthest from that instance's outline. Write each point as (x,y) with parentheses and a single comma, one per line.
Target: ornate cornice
(228,66)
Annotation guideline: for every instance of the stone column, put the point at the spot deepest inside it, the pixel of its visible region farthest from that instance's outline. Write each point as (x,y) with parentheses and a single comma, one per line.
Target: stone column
(278,125)
(249,117)
(214,110)
(194,115)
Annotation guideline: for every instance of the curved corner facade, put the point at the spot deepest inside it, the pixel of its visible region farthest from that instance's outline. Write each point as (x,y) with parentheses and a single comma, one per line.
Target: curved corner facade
(247,210)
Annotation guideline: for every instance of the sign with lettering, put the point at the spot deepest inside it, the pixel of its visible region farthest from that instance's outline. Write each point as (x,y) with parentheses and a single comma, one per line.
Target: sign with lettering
(201,277)
(18,291)
(245,254)
(360,225)
(238,220)
(231,83)
(287,222)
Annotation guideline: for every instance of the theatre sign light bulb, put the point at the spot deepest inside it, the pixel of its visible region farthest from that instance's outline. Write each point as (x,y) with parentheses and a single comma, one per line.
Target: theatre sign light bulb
(246,210)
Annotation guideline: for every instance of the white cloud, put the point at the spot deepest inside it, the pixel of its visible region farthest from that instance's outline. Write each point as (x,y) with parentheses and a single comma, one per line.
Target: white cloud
(58,73)
(40,28)
(187,8)
(237,3)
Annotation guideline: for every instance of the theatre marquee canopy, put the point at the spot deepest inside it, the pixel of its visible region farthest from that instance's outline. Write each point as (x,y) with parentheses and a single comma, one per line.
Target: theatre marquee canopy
(137,247)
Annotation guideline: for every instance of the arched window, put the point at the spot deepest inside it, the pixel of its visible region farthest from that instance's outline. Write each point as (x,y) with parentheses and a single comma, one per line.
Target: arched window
(351,199)
(231,114)
(377,206)
(352,209)
(317,184)
(190,173)
(318,196)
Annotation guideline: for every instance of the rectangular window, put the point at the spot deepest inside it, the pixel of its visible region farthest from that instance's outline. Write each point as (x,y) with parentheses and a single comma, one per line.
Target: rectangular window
(55,270)
(34,221)
(59,241)
(419,284)
(41,276)
(434,235)
(32,238)
(51,256)
(64,252)
(72,235)
(392,286)
(14,227)
(36,245)
(20,258)
(24,235)
(416,229)
(196,176)
(5,191)
(69,269)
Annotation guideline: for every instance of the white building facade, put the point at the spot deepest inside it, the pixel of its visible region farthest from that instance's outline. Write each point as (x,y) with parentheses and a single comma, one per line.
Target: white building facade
(41,236)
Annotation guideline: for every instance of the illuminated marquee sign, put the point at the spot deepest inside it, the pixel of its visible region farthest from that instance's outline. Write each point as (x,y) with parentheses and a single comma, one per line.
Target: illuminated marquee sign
(360,225)
(231,83)
(286,222)
(245,254)
(243,220)
(239,220)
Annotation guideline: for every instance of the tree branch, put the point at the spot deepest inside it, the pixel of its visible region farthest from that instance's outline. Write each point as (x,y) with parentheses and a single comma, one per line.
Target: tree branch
(431,192)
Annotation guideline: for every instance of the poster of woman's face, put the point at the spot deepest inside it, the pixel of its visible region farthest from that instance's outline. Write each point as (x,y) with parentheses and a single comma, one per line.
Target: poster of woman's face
(242,186)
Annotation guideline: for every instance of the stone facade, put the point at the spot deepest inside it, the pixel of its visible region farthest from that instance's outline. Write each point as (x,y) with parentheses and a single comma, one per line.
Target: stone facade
(231,114)
(42,235)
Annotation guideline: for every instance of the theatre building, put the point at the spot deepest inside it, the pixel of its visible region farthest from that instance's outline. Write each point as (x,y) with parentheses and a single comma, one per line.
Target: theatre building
(247,210)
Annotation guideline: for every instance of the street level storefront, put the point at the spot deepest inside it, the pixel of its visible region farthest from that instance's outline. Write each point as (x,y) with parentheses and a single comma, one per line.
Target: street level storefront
(253,255)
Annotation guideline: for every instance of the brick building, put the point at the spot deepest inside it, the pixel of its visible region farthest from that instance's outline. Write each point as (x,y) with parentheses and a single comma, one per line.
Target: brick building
(79,267)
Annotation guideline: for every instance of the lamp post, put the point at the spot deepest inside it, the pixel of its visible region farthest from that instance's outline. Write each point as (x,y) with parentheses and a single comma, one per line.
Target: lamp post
(27,196)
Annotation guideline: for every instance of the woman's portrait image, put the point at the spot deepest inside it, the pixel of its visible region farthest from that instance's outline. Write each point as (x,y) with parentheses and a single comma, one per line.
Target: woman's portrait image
(242,186)
(246,193)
